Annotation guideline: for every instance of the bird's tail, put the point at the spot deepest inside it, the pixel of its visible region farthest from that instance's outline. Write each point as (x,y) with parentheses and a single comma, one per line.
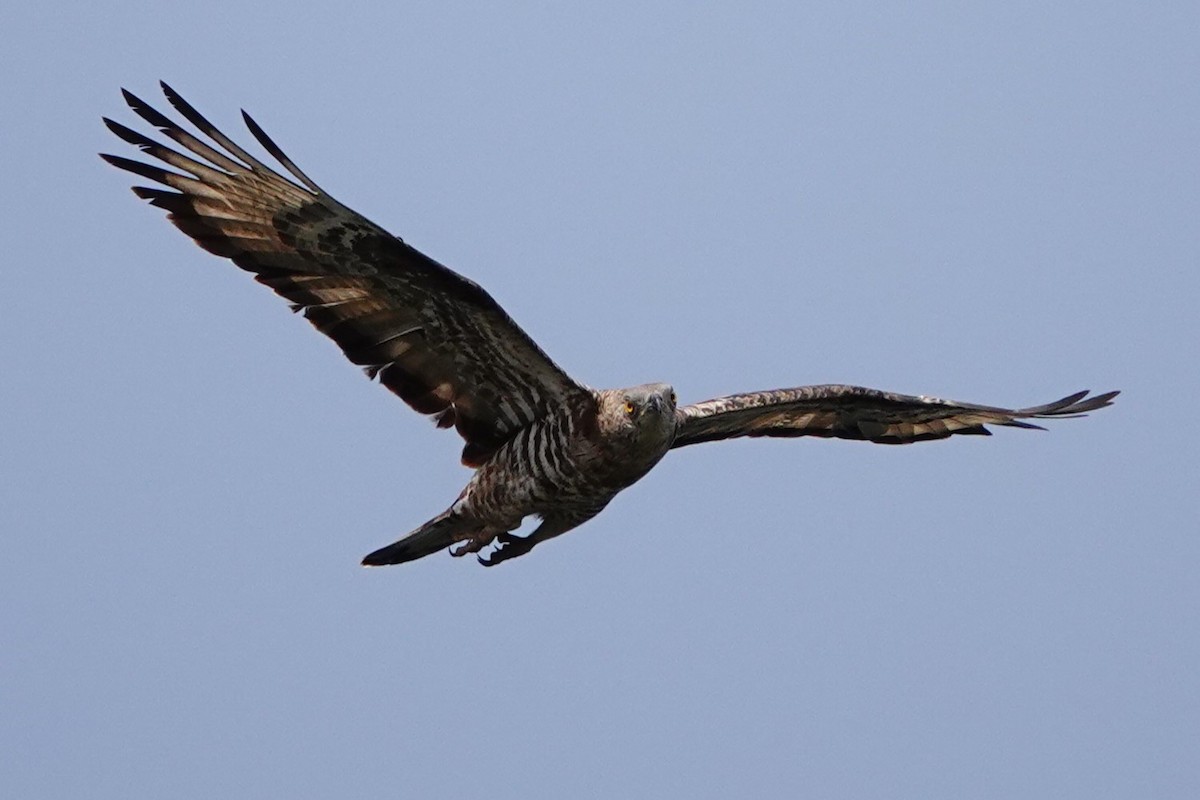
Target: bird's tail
(437,534)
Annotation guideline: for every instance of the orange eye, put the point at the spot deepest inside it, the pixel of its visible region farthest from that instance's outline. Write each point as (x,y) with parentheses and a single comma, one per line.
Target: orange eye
(673,398)
(629,408)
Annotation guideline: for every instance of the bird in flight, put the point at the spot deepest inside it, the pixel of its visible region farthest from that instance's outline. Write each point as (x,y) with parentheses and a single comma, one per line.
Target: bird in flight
(541,444)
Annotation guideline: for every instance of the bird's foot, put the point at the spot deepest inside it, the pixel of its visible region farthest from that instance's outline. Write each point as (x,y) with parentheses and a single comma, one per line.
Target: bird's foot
(508,546)
(472,545)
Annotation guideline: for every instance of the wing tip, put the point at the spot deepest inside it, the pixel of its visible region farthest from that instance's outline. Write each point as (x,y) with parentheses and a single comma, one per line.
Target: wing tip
(277,153)
(170,93)
(1079,403)
(127,134)
(131,99)
(1076,404)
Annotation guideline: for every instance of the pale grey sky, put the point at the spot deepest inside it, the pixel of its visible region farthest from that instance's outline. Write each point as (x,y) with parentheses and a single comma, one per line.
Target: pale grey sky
(991,204)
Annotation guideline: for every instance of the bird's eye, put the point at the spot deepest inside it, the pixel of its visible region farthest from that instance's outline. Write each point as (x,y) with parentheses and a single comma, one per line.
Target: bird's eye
(673,398)
(629,408)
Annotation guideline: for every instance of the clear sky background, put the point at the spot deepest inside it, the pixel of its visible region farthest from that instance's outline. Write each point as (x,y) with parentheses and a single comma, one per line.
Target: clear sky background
(997,205)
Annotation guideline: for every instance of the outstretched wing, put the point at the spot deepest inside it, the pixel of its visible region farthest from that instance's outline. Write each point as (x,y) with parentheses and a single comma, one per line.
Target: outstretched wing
(853,412)
(433,337)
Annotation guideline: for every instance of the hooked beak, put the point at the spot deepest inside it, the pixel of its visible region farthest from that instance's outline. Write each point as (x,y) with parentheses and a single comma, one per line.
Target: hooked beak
(656,402)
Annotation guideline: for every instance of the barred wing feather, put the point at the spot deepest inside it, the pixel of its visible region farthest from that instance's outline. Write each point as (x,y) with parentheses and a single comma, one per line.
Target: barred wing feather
(854,412)
(433,337)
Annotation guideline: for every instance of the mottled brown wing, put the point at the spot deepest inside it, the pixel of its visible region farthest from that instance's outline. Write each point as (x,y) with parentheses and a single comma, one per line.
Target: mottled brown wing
(853,412)
(433,337)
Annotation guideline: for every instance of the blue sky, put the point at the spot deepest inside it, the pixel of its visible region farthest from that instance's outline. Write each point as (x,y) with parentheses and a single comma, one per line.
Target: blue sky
(996,205)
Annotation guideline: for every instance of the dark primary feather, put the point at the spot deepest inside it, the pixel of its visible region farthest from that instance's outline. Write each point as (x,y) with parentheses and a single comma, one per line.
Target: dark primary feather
(433,337)
(854,412)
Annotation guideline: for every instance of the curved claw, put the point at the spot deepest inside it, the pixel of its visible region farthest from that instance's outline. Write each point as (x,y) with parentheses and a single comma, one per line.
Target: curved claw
(509,546)
(469,546)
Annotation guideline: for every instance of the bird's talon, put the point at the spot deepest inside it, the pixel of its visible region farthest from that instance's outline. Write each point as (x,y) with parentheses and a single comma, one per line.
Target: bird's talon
(469,546)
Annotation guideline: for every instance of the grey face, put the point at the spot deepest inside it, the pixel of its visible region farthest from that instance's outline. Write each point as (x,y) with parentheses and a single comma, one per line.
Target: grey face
(650,407)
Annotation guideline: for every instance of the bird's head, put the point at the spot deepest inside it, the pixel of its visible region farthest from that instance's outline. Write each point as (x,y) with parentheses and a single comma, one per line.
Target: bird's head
(645,412)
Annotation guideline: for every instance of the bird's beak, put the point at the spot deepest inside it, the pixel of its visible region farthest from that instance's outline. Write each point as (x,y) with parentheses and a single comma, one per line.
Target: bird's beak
(656,402)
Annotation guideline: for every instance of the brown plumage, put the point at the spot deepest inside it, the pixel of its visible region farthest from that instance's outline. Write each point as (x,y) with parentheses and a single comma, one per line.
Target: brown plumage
(541,443)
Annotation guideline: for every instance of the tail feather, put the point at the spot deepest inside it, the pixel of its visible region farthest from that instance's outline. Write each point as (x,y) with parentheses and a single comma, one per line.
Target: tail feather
(437,534)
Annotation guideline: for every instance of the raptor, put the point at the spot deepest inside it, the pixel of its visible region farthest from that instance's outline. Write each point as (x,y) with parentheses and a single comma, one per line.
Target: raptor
(541,443)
